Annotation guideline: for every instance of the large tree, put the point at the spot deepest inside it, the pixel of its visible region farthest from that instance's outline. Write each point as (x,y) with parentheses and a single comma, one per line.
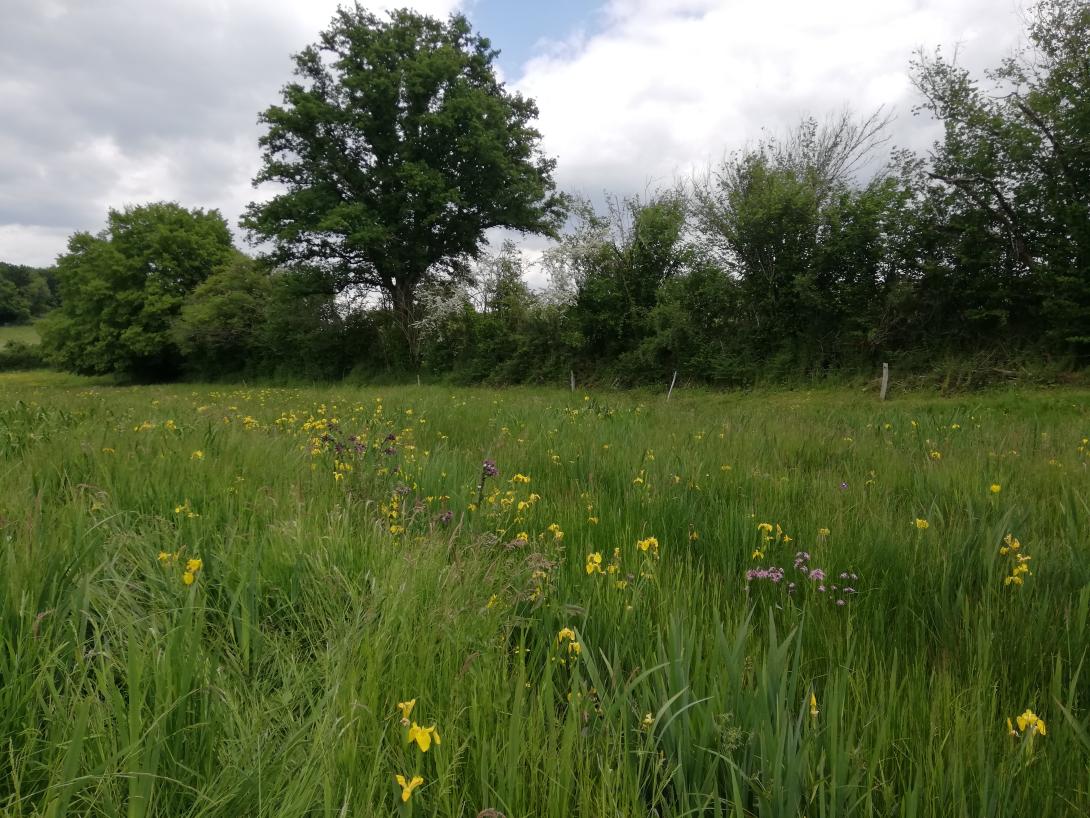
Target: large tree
(1014,163)
(395,149)
(122,289)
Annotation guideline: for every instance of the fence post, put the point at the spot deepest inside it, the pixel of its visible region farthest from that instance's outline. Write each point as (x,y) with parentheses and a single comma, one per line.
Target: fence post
(885,380)
(672,382)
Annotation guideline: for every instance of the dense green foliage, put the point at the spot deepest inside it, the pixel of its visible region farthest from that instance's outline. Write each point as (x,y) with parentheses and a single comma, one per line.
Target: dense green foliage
(25,292)
(398,148)
(122,289)
(332,585)
(806,255)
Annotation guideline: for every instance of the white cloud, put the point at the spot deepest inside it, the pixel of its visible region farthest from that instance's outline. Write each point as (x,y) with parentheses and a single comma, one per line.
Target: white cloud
(671,84)
(124,101)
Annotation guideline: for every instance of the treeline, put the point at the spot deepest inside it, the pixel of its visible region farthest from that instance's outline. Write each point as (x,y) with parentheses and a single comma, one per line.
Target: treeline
(26,293)
(819,252)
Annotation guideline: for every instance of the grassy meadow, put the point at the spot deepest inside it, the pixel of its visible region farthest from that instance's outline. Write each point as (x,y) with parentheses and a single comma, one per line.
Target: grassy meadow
(223,600)
(23,333)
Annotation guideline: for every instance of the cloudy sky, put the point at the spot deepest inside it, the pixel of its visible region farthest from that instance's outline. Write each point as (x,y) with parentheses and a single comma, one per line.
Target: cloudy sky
(105,103)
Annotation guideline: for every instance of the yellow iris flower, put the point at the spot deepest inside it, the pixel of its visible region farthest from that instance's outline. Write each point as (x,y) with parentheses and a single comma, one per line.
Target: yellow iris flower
(408,787)
(423,736)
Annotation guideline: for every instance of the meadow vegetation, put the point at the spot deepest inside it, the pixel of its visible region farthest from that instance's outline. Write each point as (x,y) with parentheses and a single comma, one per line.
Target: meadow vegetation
(229,600)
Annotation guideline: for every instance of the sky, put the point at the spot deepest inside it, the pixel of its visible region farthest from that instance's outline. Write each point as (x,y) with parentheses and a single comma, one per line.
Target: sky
(107,103)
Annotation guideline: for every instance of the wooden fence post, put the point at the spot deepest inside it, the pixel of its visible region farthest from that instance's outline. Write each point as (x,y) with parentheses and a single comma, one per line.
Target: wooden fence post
(672,382)
(885,380)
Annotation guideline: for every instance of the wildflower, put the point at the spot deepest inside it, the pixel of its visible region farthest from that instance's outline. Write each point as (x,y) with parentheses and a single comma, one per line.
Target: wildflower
(694,535)
(406,709)
(995,488)
(921,523)
(407,789)
(765,528)
(648,720)
(650,544)
(1010,728)
(1031,722)
(520,478)
(935,455)
(594,563)
(844,486)
(423,736)
(194,565)
(823,532)
(565,633)
(574,648)
(197,455)
(188,577)
(165,557)
(813,706)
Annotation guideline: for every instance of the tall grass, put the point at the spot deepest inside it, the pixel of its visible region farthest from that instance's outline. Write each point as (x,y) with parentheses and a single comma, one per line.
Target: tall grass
(269,686)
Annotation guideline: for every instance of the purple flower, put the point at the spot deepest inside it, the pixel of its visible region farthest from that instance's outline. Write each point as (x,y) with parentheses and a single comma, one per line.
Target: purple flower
(844,486)
(489,468)
(840,602)
(446,516)
(849,590)
(817,574)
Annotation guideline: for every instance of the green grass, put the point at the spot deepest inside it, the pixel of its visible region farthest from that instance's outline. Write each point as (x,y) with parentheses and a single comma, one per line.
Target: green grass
(269,686)
(24,333)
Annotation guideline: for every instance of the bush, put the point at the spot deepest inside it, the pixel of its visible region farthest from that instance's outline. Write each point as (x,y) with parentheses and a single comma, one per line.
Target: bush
(16,355)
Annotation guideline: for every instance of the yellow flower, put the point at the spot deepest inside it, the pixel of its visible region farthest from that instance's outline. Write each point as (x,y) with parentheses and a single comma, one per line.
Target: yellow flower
(765,528)
(520,478)
(407,789)
(197,455)
(648,720)
(594,562)
(995,488)
(574,648)
(650,544)
(565,633)
(935,455)
(406,709)
(1010,728)
(823,532)
(165,557)
(423,736)
(813,706)
(194,565)
(1030,721)
(922,523)
(694,535)
(188,577)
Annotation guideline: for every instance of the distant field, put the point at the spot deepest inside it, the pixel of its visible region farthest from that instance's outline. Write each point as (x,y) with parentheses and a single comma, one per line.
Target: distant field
(26,333)
(223,601)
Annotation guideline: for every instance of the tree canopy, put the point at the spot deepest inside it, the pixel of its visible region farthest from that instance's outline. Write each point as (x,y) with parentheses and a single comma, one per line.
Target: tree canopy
(397,147)
(122,289)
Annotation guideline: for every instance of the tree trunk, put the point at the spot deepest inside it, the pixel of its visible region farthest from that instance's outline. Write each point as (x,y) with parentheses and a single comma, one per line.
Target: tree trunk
(404,304)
